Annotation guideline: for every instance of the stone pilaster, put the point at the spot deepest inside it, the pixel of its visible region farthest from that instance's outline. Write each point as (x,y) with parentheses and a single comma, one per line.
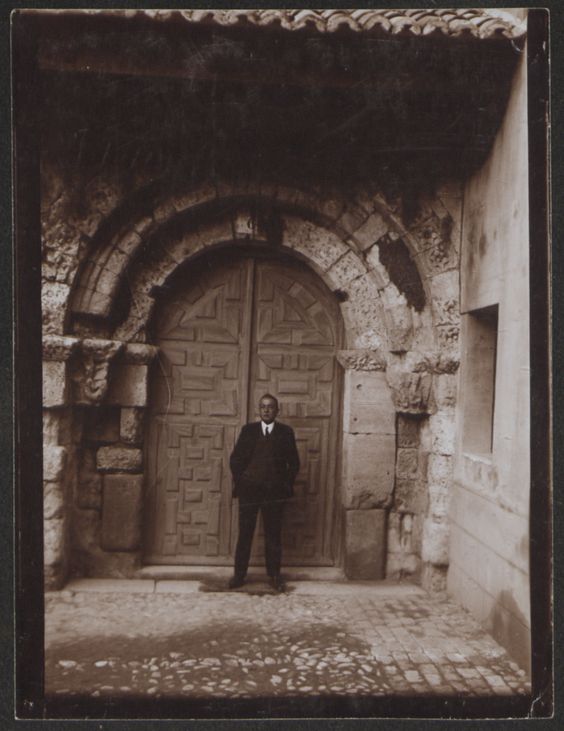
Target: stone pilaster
(57,352)
(367,478)
(58,454)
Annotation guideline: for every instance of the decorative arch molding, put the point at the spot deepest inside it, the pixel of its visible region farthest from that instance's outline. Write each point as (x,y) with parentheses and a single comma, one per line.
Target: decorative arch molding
(340,241)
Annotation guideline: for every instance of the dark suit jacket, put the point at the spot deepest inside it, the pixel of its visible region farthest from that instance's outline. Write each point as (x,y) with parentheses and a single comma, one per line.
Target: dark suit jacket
(285,456)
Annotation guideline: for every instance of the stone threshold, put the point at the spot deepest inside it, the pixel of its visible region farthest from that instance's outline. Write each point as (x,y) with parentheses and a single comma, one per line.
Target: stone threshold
(290,573)
(304,587)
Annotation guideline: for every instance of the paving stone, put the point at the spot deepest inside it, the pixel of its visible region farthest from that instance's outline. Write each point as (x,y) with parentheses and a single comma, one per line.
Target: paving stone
(298,643)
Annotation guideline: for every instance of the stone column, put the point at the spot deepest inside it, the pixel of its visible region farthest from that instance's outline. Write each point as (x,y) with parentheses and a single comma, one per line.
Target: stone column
(58,455)
(122,463)
(110,381)
(424,388)
(367,479)
(436,532)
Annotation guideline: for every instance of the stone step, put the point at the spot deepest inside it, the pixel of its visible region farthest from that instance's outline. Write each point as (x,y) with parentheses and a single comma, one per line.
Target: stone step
(291,573)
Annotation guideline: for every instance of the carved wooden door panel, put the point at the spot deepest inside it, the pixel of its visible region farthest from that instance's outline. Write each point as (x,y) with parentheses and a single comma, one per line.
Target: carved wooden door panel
(295,335)
(197,400)
(242,329)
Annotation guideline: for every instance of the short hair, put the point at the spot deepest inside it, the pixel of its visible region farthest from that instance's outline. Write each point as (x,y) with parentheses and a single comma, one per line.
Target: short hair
(270,396)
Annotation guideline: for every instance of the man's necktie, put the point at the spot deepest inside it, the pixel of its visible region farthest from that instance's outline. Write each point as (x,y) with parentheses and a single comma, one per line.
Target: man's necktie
(267,432)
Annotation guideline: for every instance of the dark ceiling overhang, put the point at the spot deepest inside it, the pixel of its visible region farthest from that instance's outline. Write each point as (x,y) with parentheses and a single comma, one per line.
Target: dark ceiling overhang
(333,97)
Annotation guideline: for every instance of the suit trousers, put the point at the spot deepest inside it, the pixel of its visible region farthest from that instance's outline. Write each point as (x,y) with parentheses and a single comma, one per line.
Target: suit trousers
(251,500)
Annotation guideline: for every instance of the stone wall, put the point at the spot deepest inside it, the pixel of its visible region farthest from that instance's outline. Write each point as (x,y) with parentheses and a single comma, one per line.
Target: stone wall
(489,561)
(107,256)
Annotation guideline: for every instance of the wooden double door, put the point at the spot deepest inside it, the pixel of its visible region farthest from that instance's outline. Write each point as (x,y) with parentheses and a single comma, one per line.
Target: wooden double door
(237,328)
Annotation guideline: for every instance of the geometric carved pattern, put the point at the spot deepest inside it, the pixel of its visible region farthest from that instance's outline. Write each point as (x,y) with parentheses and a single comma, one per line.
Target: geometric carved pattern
(244,328)
(293,356)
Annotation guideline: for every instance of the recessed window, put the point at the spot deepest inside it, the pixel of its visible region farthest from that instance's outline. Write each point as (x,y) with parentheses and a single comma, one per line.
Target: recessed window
(479,366)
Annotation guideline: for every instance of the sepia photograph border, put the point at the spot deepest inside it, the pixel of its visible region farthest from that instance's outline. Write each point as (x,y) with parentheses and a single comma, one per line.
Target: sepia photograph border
(25,677)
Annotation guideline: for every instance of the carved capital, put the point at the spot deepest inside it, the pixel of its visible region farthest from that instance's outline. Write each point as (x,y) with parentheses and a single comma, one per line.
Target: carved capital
(92,374)
(410,391)
(58,347)
(438,363)
(361,360)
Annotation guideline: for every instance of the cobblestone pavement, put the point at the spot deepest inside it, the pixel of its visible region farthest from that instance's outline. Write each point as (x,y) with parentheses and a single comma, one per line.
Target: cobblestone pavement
(171,639)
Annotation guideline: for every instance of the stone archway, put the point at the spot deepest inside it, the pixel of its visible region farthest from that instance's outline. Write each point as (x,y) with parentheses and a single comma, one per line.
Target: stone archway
(392,368)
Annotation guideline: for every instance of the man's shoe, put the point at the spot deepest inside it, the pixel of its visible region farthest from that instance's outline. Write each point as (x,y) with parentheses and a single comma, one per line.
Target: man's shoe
(277,584)
(236,581)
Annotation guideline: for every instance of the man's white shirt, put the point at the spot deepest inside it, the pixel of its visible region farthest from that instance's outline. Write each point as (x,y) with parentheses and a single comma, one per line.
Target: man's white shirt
(266,428)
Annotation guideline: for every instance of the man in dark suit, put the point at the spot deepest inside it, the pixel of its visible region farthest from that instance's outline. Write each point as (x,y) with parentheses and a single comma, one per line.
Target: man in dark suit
(264,464)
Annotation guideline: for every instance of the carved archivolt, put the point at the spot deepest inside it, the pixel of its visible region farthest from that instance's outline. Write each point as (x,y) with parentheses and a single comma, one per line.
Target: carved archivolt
(337,238)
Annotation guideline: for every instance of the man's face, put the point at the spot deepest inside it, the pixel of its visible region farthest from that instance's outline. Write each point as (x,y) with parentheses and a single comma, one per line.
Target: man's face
(268,410)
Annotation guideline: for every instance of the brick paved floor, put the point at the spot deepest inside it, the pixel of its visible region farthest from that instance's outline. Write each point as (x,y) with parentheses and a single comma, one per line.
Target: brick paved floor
(171,639)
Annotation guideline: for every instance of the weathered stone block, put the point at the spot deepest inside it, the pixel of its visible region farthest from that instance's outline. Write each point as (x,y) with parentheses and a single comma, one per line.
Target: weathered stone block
(401,565)
(85,537)
(194,197)
(102,425)
(442,433)
(408,431)
(446,311)
(371,230)
(131,425)
(417,532)
(122,459)
(434,578)
(410,564)
(376,268)
(394,532)
(54,298)
(346,269)
(139,353)
(411,496)
(53,500)
(365,544)
(435,541)
(394,565)
(445,390)
(351,219)
(54,384)
(58,428)
(89,492)
(364,313)
(448,337)
(438,500)
(407,463)
(89,482)
(368,470)
(318,245)
(54,460)
(128,386)
(121,512)
(368,407)
(440,469)
(362,360)
(400,328)
(54,541)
